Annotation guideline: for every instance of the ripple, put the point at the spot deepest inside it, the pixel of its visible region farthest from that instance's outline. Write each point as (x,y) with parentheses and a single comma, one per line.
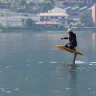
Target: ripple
(26,78)
(89,88)
(28,64)
(79,62)
(40,75)
(40,62)
(92,62)
(9,92)
(93,92)
(7,67)
(53,62)
(67,88)
(3,90)
(16,89)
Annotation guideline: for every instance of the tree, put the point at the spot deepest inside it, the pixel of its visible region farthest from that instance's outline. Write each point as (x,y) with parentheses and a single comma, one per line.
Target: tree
(94,1)
(48,6)
(22,2)
(29,22)
(86,19)
(14,5)
(22,9)
(52,1)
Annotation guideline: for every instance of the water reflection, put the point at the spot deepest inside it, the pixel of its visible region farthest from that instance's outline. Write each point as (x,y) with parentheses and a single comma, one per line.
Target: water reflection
(73,80)
(68,73)
(93,40)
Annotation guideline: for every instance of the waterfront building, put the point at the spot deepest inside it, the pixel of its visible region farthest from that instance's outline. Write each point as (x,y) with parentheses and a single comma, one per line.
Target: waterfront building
(61,18)
(35,1)
(44,24)
(92,11)
(58,10)
(78,1)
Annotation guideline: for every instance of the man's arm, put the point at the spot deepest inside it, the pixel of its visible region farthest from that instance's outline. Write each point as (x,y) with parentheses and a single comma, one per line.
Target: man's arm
(64,38)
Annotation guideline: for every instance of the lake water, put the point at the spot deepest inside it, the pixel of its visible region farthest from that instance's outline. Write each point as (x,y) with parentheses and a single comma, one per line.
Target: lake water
(31,65)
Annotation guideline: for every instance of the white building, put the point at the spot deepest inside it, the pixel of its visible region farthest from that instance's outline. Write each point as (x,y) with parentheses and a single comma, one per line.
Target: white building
(11,21)
(35,1)
(79,1)
(14,22)
(58,10)
(61,18)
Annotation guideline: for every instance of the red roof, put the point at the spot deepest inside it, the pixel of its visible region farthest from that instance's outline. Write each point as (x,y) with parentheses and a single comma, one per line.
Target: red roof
(46,22)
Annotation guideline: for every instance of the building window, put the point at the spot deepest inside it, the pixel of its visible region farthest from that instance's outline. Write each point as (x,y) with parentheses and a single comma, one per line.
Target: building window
(63,22)
(51,17)
(46,17)
(42,17)
(63,17)
(56,17)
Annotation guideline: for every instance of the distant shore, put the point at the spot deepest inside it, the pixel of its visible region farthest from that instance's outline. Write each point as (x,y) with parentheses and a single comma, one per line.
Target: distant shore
(85,29)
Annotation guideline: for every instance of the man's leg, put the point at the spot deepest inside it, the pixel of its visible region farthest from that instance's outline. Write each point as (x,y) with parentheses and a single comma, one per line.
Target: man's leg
(72,47)
(66,45)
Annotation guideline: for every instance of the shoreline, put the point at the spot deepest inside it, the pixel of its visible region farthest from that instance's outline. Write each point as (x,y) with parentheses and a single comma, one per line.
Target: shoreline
(31,31)
(86,29)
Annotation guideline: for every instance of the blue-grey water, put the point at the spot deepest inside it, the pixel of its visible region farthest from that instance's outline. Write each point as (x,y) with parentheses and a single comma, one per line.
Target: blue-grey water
(31,65)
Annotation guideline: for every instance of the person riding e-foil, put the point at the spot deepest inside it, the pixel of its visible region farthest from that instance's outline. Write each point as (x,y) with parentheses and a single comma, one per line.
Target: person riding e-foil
(72,39)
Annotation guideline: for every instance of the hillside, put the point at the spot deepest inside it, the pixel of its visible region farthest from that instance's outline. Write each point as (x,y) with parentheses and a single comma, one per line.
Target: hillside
(26,6)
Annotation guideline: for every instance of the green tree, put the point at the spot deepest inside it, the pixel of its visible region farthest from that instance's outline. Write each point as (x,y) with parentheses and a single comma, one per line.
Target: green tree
(48,6)
(52,1)
(14,5)
(29,23)
(22,2)
(77,24)
(94,1)
(86,19)
(22,9)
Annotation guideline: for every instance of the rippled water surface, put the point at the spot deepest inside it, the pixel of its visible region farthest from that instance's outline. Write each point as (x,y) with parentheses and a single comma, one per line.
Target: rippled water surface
(31,65)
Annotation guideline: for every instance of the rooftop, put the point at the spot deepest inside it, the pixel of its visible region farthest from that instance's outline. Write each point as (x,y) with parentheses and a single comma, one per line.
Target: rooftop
(58,10)
(83,8)
(54,14)
(46,22)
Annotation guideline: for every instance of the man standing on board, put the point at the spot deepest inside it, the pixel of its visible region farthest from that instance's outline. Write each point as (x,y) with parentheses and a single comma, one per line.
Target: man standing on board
(72,39)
